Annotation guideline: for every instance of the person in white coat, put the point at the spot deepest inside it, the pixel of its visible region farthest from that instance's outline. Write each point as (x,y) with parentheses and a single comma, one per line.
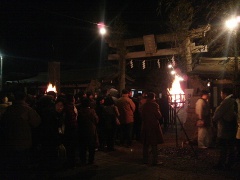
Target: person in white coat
(202,110)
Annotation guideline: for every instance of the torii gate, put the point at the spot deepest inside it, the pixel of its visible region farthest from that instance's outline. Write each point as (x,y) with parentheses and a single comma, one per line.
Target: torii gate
(150,44)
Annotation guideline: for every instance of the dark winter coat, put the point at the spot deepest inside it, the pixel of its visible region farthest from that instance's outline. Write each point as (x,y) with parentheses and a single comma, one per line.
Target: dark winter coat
(111,114)
(87,121)
(151,130)
(18,121)
(226,118)
(50,128)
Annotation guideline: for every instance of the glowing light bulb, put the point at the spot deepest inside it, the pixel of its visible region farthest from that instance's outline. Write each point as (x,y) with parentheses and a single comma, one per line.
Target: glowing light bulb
(232,23)
(102,28)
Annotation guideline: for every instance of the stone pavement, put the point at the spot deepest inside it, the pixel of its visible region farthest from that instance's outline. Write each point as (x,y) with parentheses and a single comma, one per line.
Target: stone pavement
(126,163)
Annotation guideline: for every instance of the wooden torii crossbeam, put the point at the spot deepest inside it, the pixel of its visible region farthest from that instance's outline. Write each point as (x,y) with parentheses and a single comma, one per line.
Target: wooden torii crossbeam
(150,44)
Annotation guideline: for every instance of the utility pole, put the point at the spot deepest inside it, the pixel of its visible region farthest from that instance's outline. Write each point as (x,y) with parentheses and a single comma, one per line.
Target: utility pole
(1,74)
(232,25)
(235,57)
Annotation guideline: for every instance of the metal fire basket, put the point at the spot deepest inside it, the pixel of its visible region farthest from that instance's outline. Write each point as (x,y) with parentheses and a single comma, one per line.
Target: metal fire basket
(177,101)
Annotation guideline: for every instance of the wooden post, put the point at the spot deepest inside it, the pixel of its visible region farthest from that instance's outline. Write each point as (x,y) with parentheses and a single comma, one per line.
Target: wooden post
(122,74)
(54,74)
(188,54)
(1,73)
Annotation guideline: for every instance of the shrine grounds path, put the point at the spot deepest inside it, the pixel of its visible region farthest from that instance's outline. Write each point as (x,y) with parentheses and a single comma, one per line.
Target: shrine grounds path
(180,161)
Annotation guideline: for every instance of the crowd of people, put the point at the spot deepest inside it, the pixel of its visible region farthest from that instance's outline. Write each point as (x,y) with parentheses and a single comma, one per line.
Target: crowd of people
(65,131)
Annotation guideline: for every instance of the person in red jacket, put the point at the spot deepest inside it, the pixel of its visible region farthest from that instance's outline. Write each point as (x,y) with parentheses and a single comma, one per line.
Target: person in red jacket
(126,109)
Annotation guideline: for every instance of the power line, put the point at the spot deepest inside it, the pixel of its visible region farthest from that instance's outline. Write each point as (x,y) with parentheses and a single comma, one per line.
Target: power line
(67,16)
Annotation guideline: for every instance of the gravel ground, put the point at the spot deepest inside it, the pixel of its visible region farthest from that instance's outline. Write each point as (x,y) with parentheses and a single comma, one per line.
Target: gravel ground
(126,163)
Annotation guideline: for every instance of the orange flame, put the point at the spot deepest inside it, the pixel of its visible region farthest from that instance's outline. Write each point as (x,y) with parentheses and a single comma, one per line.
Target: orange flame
(176,92)
(51,88)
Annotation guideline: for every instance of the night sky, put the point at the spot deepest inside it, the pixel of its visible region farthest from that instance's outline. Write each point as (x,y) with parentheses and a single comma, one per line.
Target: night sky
(35,32)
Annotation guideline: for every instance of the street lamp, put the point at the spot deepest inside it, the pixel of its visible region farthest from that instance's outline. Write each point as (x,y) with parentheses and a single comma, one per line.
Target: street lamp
(102,28)
(232,24)
(116,41)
